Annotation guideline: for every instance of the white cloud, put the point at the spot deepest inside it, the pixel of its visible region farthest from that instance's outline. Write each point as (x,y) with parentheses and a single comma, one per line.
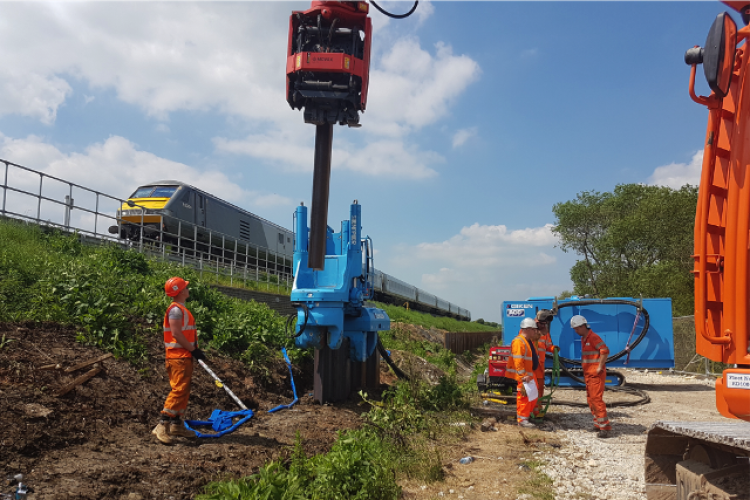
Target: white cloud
(483,265)
(31,94)
(293,150)
(529,53)
(410,88)
(463,135)
(161,57)
(676,175)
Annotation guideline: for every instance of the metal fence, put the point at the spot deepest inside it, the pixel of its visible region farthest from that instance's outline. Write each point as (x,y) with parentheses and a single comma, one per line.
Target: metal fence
(460,342)
(37,197)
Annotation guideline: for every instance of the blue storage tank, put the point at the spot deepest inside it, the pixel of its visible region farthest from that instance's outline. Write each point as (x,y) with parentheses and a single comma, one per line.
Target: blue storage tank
(612,322)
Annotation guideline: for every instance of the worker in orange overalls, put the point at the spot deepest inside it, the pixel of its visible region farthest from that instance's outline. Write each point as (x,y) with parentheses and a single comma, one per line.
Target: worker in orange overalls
(543,346)
(523,363)
(594,354)
(181,343)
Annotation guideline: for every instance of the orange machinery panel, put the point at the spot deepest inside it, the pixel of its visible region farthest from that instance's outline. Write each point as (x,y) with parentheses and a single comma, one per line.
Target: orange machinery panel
(722,235)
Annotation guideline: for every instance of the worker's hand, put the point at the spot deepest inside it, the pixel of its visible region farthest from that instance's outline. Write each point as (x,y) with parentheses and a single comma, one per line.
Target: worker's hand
(198,354)
(598,369)
(527,378)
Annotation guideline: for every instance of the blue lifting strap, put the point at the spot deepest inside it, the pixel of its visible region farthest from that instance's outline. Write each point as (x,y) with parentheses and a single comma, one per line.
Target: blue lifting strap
(220,421)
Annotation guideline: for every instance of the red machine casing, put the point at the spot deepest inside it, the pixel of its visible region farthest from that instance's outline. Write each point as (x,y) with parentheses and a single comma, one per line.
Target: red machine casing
(330,64)
(498,361)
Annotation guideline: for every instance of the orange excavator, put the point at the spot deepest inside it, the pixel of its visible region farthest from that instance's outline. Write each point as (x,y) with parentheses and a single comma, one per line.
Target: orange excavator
(711,460)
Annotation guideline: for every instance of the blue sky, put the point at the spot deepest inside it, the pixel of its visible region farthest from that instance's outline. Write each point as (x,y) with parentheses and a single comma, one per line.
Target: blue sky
(481,116)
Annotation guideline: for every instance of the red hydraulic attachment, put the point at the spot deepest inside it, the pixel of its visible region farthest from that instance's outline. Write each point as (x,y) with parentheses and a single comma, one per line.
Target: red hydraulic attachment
(328,62)
(722,223)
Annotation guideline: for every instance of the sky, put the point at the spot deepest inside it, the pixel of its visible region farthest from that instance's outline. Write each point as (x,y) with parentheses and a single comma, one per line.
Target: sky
(480,117)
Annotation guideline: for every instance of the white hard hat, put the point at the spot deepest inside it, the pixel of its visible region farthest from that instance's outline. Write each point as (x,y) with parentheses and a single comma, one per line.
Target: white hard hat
(528,323)
(576,321)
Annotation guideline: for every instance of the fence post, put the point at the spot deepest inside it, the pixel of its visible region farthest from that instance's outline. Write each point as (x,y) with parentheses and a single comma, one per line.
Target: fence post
(39,203)
(5,186)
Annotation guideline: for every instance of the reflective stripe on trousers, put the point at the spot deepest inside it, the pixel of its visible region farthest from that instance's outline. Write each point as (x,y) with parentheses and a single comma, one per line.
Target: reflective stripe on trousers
(524,407)
(594,397)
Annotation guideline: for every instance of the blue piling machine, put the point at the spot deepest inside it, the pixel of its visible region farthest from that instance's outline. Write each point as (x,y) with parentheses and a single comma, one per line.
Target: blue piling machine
(331,312)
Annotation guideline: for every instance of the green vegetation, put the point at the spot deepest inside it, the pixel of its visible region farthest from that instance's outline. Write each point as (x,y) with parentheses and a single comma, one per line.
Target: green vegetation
(637,240)
(402,315)
(539,486)
(116,297)
(398,441)
(400,340)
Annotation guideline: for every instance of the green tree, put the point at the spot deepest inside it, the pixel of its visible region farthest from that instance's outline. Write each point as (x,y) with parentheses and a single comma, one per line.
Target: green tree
(637,240)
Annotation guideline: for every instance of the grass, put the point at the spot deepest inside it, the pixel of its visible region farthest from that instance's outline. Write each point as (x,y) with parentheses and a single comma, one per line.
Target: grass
(402,315)
(539,485)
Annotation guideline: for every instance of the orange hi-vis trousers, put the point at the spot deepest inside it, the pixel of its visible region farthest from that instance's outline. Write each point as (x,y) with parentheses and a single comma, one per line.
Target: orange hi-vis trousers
(523,405)
(180,371)
(594,397)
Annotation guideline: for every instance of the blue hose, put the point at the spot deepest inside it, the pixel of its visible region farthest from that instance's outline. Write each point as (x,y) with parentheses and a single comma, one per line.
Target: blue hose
(294,389)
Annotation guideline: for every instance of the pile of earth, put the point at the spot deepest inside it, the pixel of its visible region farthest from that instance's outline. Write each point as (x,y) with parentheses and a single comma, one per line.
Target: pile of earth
(95,441)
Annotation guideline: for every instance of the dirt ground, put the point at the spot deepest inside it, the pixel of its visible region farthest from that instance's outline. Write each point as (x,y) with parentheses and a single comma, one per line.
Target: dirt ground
(95,442)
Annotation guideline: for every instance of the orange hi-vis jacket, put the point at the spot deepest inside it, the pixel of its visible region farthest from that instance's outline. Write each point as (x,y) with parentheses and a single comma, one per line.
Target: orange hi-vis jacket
(592,348)
(522,359)
(175,350)
(543,346)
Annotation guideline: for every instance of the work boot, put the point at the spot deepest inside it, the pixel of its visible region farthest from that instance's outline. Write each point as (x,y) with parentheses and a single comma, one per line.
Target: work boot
(180,430)
(604,434)
(526,424)
(162,434)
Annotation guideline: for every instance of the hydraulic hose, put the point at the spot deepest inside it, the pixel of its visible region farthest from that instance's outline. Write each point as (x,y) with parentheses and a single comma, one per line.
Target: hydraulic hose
(396,16)
(291,318)
(644,330)
(644,397)
(400,374)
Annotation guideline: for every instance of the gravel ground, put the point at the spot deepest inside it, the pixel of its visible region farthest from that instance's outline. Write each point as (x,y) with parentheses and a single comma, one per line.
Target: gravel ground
(587,467)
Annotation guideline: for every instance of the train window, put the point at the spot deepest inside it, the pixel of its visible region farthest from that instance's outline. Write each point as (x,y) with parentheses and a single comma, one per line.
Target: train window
(281,239)
(288,240)
(143,192)
(164,192)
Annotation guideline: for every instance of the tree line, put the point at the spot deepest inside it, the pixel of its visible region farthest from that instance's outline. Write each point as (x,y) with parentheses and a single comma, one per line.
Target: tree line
(635,241)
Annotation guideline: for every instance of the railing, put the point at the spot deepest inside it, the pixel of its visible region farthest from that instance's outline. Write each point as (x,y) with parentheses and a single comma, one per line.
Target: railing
(46,200)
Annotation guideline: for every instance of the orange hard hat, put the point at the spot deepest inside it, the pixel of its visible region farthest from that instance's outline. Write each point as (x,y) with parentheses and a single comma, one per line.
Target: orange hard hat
(175,285)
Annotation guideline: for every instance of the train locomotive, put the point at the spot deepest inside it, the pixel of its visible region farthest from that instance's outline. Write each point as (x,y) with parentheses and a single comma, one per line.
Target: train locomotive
(179,214)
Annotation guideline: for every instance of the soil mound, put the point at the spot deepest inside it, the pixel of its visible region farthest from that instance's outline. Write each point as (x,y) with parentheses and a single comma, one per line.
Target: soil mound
(95,442)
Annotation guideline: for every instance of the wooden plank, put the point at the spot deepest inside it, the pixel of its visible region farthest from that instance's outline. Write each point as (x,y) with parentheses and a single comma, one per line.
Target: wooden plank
(80,380)
(88,363)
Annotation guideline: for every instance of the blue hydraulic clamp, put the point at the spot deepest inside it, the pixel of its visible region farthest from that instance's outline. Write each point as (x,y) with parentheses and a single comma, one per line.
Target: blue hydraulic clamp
(330,305)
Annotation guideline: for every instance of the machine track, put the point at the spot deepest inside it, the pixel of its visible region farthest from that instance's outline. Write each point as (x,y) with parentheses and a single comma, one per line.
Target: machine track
(712,458)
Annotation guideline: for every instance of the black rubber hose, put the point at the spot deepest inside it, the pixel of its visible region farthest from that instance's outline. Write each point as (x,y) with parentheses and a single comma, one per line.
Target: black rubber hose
(387,358)
(644,397)
(396,16)
(644,330)
(291,317)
